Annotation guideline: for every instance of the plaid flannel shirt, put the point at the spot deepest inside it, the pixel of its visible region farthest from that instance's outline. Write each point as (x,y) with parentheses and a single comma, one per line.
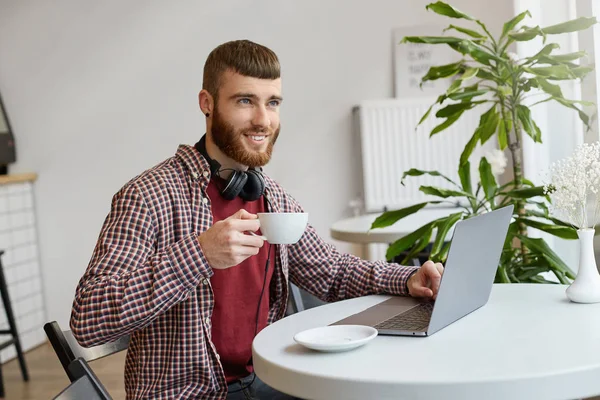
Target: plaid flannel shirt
(148,277)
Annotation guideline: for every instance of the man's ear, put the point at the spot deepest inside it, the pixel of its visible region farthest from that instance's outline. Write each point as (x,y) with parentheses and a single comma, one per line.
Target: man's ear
(206,102)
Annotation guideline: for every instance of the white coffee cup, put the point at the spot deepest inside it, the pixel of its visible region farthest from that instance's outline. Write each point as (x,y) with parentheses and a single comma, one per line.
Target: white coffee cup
(282,228)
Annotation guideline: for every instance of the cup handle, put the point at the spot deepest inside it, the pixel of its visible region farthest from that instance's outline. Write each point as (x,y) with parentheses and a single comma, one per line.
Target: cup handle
(259,236)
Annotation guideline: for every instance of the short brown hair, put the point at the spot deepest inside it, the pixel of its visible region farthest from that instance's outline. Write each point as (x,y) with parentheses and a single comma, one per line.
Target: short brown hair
(243,57)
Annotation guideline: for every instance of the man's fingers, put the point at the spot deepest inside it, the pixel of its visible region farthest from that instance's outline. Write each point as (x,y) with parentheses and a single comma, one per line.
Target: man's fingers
(439,267)
(433,274)
(252,241)
(243,214)
(246,251)
(422,291)
(243,225)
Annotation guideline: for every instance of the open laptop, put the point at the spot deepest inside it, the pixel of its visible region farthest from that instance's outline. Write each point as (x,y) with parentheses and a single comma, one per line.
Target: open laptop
(465,286)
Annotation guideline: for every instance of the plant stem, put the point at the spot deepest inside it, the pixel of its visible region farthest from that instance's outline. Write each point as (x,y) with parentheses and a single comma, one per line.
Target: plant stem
(515,149)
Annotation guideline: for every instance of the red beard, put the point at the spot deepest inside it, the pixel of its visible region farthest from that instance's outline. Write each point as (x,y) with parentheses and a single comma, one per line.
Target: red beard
(229,141)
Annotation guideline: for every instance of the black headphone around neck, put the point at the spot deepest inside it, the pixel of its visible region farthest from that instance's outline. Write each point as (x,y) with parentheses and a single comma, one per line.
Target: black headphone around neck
(249,185)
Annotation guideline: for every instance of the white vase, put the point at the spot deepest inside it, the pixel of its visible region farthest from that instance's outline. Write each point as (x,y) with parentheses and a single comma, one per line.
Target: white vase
(586,287)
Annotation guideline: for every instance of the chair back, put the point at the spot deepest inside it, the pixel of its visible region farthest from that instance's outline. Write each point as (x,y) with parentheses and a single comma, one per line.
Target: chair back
(85,386)
(68,350)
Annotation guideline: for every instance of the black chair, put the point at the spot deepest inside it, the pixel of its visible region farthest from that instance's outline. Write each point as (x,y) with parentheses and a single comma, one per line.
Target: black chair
(85,386)
(68,350)
(12,329)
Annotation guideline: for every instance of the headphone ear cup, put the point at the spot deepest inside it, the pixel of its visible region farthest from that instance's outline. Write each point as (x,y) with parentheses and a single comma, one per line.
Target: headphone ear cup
(254,187)
(235,185)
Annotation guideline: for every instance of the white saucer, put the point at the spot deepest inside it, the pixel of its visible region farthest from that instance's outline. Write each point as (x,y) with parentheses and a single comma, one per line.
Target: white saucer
(336,338)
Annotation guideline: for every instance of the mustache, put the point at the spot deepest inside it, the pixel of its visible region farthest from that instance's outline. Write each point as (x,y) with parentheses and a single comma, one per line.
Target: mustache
(257,129)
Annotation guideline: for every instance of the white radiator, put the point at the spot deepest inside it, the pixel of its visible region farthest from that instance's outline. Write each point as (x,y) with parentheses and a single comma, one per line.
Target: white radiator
(390,145)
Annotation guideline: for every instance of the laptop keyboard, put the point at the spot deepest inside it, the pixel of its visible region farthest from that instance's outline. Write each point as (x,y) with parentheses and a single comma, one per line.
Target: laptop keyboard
(415,319)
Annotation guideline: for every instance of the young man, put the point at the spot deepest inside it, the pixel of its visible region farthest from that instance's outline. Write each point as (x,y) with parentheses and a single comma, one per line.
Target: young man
(175,267)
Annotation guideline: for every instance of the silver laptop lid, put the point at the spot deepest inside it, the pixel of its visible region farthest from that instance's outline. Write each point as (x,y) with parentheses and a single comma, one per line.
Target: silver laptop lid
(471,266)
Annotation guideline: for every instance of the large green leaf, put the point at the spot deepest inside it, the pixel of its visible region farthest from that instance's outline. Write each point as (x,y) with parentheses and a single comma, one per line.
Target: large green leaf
(464,173)
(419,245)
(470,32)
(442,255)
(442,71)
(454,87)
(531,272)
(554,61)
(446,124)
(488,123)
(551,89)
(478,53)
(546,50)
(468,150)
(524,115)
(526,193)
(503,133)
(444,193)
(545,214)
(556,230)
(571,104)
(419,172)
(452,109)
(575,25)
(513,229)
(527,182)
(526,34)
(488,181)
(389,218)
(554,72)
(408,241)
(467,94)
(447,10)
(439,100)
(510,25)
(542,248)
(432,39)
(469,73)
(443,227)
(569,56)
(487,75)
(581,72)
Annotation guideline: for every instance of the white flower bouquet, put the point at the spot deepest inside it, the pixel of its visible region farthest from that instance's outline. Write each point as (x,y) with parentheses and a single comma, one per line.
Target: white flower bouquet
(573,188)
(574,184)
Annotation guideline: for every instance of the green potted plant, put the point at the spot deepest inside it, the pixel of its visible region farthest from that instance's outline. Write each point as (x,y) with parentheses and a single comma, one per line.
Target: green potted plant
(488,78)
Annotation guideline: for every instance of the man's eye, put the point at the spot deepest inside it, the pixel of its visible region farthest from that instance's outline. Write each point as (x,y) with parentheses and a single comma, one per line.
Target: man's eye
(244,101)
(274,103)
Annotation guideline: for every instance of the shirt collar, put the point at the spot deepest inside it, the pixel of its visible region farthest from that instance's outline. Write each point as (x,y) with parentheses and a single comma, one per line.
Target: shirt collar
(196,164)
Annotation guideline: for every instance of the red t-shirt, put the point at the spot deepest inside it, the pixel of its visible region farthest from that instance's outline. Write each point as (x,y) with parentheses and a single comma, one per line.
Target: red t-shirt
(237,291)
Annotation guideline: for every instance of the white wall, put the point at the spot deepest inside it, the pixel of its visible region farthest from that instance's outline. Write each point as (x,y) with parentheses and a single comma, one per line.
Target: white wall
(99,91)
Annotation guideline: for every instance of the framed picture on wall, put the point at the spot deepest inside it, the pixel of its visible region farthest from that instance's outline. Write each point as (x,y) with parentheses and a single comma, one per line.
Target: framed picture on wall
(7,141)
(413,60)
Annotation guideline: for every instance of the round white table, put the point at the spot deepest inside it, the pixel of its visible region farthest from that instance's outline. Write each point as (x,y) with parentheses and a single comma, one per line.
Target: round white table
(528,342)
(356,229)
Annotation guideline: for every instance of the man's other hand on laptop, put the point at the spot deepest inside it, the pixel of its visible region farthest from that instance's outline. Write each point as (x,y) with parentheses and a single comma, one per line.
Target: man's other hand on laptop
(426,281)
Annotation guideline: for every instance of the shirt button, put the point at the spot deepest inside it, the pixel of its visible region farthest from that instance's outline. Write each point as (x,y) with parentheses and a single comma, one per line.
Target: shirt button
(205,200)
(207,320)
(218,356)
(195,175)
(204,282)
(205,174)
